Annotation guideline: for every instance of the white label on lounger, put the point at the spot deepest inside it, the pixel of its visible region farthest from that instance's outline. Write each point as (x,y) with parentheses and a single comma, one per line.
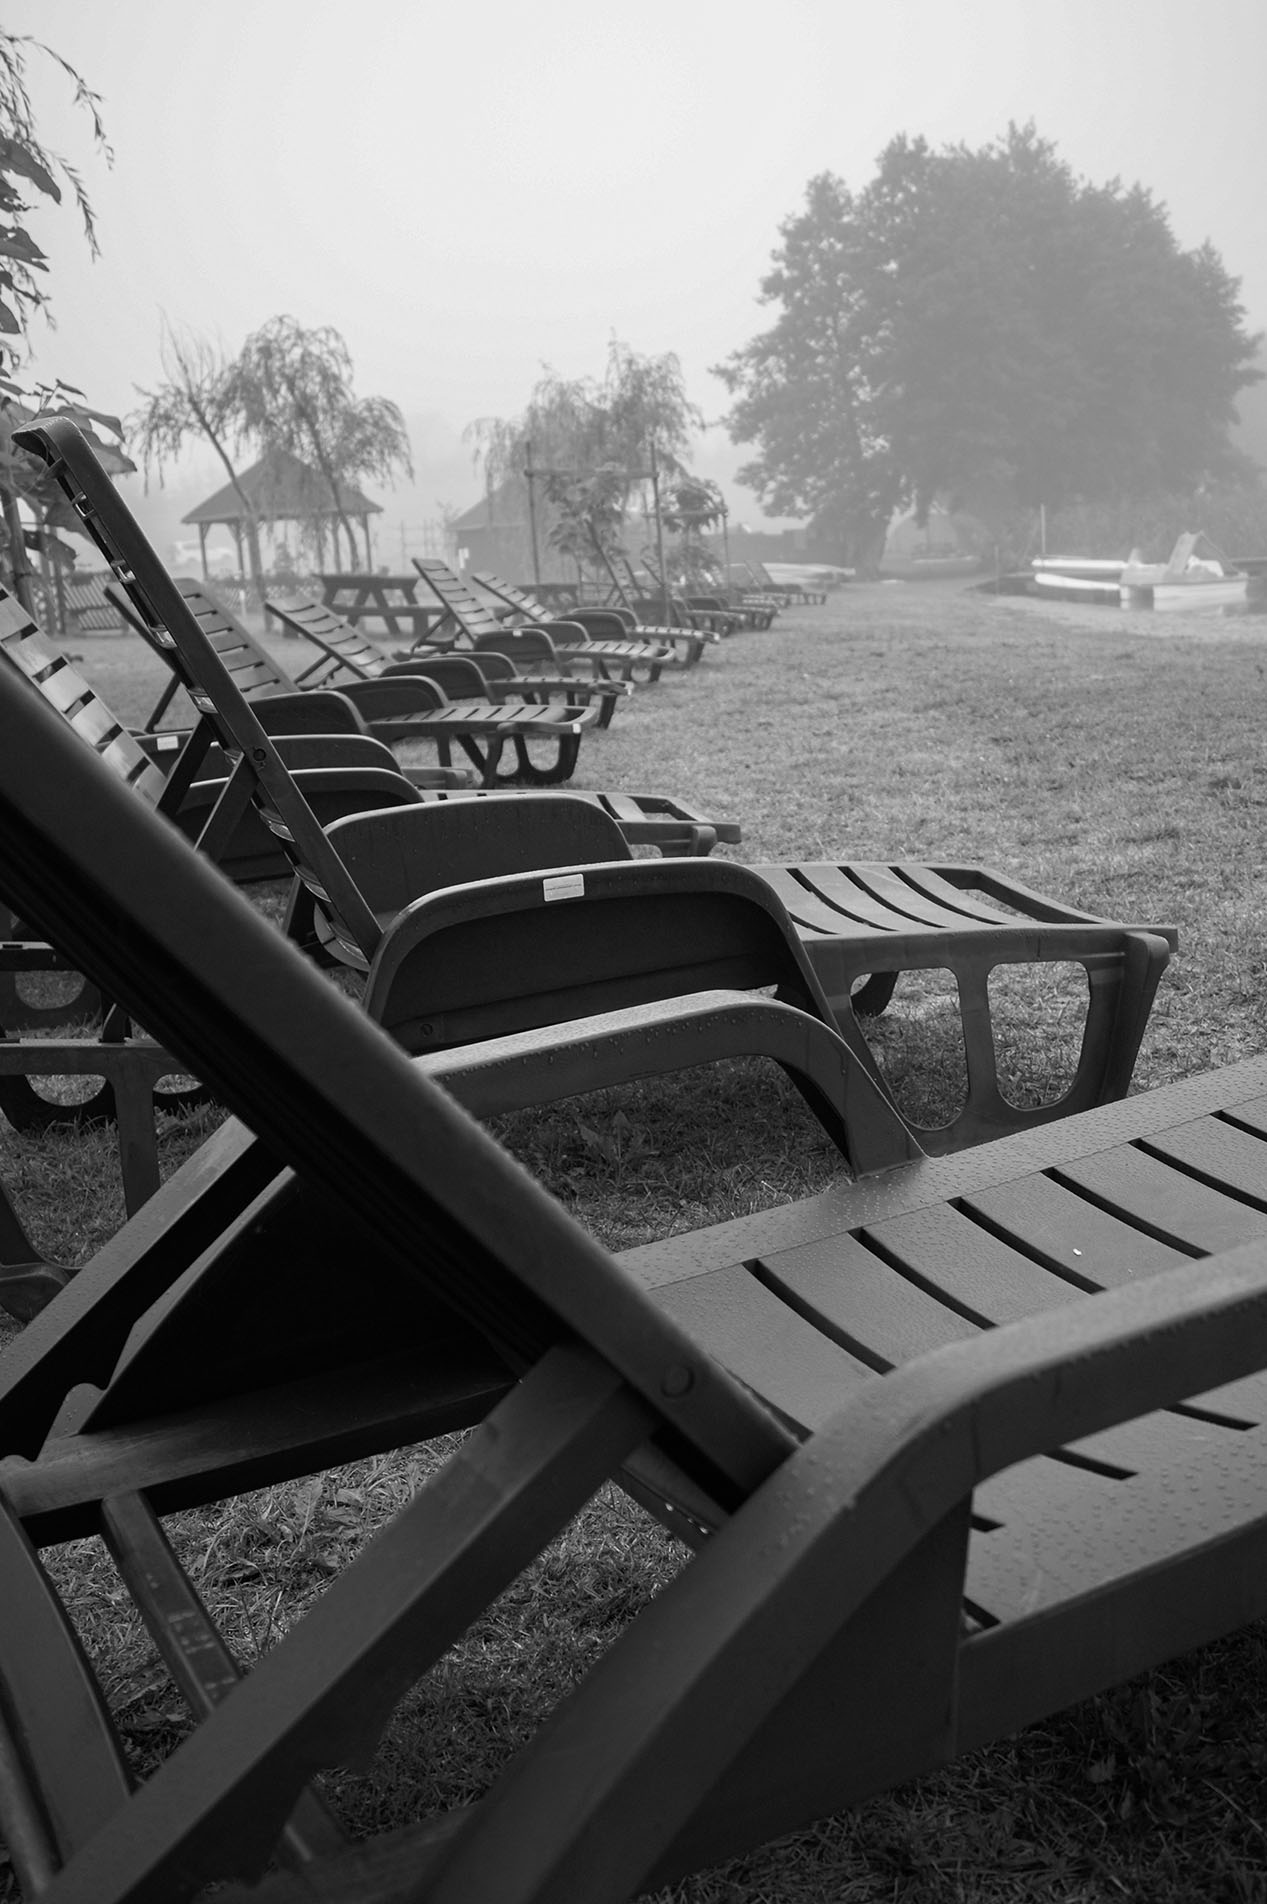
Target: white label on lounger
(566,886)
(166,743)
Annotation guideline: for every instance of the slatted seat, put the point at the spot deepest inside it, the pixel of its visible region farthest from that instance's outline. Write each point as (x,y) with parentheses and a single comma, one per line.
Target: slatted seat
(954,1446)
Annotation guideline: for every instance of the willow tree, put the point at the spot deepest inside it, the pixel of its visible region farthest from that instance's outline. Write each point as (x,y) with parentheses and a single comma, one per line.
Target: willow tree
(195,402)
(290,389)
(593,444)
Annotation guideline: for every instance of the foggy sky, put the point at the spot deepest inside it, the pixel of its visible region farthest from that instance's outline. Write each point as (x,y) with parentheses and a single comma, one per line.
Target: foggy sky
(470,192)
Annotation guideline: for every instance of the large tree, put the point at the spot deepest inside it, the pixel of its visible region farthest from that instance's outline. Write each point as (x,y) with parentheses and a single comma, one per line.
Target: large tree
(986,327)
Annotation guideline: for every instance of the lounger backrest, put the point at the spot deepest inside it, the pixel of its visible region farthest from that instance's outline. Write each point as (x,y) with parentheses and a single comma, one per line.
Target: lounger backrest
(513,596)
(487,958)
(249,665)
(473,616)
(331,1096)
(162,613)
(35,657)
(345,647)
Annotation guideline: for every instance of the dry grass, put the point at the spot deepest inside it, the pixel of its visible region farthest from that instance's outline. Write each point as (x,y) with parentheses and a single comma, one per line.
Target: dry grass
(1090,759)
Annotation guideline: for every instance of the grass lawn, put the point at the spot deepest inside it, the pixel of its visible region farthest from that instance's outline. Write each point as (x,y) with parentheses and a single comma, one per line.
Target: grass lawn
(1115,762)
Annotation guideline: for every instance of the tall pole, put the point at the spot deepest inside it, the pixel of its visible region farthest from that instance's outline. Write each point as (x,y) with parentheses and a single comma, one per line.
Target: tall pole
(529,474)
(659,529)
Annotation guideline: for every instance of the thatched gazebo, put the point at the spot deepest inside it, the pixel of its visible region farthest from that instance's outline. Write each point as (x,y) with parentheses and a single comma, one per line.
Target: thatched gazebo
(281,488)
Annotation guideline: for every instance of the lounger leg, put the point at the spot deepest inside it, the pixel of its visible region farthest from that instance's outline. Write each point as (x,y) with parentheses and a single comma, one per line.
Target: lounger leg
(561,769)
(485,761)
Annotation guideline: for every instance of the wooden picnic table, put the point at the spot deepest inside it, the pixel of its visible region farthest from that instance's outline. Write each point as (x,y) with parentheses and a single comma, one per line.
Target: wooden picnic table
(387,598)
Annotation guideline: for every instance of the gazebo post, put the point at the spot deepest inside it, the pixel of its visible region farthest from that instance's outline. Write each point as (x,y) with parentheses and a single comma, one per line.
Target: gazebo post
(202,550)
(237,537)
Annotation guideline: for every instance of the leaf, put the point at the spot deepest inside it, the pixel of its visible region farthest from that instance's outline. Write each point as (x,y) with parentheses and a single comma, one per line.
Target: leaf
(16,157)
(15,243)
(8,321)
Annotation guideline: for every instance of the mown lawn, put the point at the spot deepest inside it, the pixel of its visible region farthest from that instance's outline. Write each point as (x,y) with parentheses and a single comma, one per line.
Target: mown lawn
(1115,766)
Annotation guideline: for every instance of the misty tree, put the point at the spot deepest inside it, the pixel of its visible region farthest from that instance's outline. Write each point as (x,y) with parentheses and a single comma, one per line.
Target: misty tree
(810,388)
(985,327)
(593,443)
(31,176)
(195,402)
(692,506)
(290,389)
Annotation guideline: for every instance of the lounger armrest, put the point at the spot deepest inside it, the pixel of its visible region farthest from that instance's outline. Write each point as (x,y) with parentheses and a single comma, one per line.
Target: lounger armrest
(303,751)
(670,1035)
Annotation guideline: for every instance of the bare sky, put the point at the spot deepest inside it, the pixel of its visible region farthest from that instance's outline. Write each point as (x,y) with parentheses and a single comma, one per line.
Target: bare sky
(468,192)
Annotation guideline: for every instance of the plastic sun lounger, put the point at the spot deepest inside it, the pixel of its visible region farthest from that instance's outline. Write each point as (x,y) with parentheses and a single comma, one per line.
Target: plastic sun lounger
(613,656)
(691,611)
(670,825)
(351,656)
(407,707)
(690,636)
(532,664)
(954,1447)
(1123,964)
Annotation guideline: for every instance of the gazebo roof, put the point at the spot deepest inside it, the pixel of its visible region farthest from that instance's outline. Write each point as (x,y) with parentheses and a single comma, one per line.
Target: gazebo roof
(281,488)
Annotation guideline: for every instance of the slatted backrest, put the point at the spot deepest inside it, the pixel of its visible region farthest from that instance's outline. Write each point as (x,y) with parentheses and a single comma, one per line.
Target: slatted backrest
(162,614)
(34,656)
(350,654)
(473,616)
(330,1095)
(249,665)
(513,595)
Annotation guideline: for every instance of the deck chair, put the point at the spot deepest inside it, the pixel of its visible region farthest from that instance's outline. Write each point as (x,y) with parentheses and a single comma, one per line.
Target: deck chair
(953,1447)
(614,616)
(608,621)
(1123,964)
(351,656)
(405,708)
(797,590)
(613,657)
(665,597)
(671,826)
